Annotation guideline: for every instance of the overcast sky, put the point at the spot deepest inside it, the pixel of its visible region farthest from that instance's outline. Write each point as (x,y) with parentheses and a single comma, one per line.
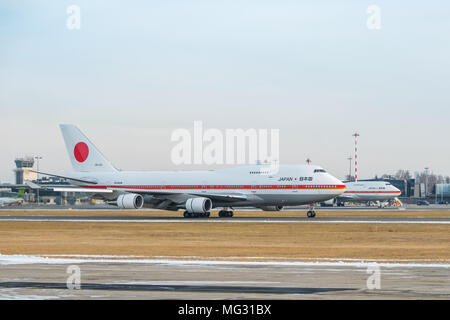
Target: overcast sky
(137,70)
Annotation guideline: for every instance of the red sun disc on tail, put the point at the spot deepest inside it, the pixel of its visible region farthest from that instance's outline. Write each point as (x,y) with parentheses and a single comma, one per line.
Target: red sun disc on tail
(81,151)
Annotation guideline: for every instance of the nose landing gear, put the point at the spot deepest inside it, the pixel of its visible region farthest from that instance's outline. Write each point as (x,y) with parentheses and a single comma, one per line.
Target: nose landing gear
(311,212)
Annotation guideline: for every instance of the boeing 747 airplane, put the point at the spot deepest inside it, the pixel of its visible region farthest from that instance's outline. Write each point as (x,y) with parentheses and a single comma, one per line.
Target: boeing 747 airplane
(195,192)
(367,191)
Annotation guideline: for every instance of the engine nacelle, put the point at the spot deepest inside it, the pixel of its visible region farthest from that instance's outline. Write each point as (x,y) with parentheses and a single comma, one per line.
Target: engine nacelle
(130,201)
(271,208)
(198,205)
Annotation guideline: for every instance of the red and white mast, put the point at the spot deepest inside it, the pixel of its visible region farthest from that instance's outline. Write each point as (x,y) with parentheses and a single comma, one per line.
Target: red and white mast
(356,135)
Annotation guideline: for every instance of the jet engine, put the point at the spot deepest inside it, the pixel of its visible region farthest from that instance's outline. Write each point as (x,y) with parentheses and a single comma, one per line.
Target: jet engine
(130,201)
(198,205)
(271,208)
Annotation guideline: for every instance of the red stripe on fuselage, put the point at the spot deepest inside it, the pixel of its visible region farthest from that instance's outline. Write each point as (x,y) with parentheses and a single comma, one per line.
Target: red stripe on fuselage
(218,187)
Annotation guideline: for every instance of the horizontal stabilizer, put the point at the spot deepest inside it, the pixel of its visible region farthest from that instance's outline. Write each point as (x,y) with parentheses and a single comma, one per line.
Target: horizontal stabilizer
(65,177)
(32,185)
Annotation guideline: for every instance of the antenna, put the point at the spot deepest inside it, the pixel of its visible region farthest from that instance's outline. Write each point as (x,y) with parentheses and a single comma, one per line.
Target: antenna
(356,135)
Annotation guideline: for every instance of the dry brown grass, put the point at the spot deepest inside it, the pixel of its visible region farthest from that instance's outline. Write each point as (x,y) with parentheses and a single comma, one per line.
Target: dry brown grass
(209,240)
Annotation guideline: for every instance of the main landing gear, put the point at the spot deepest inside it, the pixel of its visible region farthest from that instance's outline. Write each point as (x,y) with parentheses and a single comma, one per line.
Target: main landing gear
(188,214)
(222,213)
(225,213)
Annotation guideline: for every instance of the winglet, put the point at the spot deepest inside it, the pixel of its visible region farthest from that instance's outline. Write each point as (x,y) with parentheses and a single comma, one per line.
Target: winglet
(32,185)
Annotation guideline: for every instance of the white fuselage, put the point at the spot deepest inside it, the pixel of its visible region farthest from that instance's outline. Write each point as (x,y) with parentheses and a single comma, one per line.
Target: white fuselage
(290,185)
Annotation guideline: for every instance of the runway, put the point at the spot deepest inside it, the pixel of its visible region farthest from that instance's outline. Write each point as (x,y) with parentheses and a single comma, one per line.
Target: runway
(161,219)
(28,277)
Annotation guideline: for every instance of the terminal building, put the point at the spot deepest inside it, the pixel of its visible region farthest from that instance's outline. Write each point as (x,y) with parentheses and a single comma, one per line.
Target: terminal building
(443,192)
(24,172)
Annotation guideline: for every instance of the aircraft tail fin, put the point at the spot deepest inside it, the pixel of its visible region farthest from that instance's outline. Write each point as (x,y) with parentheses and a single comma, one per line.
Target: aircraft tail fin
(83,154)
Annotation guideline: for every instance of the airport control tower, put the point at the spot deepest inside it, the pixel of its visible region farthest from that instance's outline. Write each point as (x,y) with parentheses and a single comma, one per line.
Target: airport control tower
(23,170)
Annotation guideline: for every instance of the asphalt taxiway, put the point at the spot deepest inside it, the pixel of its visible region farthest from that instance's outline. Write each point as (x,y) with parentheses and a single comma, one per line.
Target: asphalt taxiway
(103,278)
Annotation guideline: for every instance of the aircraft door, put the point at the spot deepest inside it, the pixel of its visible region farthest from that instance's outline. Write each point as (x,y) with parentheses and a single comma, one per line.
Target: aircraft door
(254,186)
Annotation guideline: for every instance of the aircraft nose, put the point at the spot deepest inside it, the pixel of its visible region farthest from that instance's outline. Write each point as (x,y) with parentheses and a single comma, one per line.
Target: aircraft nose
(339,185)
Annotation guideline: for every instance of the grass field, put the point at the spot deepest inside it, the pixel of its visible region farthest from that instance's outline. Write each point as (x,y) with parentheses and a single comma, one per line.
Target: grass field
(394,241)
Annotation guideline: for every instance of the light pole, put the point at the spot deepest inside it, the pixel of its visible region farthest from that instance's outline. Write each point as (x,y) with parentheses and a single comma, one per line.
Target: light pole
(37,163)
(435,193)
(356,135)
(350,169)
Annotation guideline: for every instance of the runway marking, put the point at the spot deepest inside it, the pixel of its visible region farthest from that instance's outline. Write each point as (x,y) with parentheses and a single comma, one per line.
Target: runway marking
(337,262)
(218,220)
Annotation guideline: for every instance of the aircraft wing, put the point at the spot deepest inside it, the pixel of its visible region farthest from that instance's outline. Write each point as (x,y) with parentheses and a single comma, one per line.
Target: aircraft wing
(222,197)
(231,197)
(92,188)
(68,189)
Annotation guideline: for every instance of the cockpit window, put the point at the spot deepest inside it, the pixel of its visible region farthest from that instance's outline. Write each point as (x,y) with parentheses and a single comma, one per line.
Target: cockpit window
(319,170)
(388,184)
